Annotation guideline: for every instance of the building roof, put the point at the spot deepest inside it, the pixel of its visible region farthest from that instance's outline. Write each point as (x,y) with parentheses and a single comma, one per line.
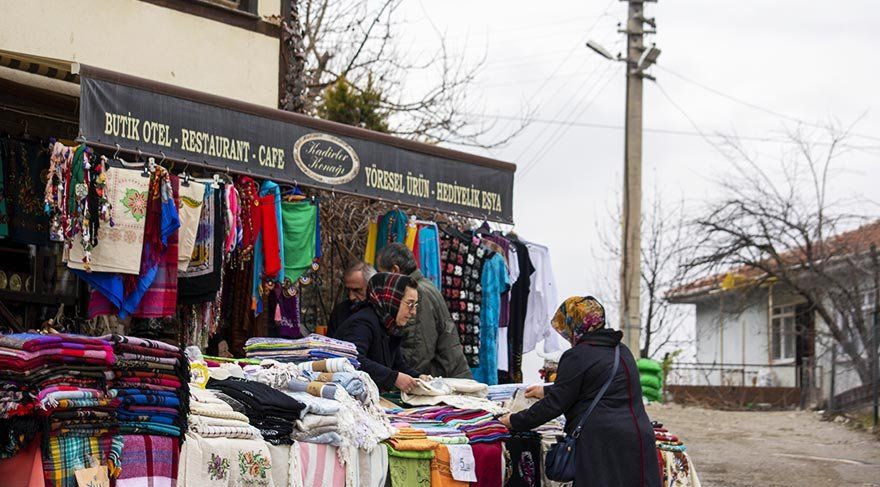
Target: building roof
(852,242)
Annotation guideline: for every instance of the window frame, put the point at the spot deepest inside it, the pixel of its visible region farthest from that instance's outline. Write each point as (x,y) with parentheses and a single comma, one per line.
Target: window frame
(785,318)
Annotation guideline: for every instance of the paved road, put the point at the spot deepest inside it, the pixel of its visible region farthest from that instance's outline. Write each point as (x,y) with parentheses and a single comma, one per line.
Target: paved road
(772,449)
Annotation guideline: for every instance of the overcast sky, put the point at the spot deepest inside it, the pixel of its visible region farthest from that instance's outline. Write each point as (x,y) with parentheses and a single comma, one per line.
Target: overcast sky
(814,61)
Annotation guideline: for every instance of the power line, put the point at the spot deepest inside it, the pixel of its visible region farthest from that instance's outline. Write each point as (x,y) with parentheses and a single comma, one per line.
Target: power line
(573,49)
(689,119)
(574,103)
(688,133)
(752,105)
(470,40)
(573,113)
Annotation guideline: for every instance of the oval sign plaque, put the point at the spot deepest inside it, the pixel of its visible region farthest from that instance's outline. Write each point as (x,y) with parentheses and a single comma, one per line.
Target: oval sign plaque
(326,158)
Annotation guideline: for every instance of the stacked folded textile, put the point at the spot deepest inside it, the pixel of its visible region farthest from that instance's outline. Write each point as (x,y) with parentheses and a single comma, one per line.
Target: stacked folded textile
(269,410)
(150,382)
(417,458)
(676,466)
(503,392)
(149,460)
(211,417)
(477,425)
(71,404)
(54,383)
(310,348)
(351,382)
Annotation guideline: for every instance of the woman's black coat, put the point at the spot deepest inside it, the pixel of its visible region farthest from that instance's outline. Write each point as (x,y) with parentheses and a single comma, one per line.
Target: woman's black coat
(378,353)
(616,445)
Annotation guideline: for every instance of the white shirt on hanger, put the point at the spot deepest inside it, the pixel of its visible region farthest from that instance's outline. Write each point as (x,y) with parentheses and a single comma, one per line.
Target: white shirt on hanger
(543,301)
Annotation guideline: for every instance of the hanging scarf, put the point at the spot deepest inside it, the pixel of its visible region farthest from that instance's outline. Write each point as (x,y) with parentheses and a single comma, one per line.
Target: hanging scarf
(385,294)
(577,316)
(268,251)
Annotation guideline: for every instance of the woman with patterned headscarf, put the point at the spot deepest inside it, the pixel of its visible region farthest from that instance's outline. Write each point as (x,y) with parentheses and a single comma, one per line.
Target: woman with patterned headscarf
(376,329)
(616,444)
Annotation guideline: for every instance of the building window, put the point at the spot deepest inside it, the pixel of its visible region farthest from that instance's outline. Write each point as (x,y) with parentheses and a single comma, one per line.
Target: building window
(782,333)
(868,308)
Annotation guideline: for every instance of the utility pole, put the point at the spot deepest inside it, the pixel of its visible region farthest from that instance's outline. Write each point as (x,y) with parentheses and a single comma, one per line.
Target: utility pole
(630,266)
(638,59)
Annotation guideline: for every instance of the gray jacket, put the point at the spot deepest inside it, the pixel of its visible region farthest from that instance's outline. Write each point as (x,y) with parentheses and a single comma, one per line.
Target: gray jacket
(431,345)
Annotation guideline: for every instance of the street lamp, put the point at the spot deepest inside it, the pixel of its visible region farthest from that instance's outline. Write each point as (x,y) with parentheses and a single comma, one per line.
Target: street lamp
(598,49)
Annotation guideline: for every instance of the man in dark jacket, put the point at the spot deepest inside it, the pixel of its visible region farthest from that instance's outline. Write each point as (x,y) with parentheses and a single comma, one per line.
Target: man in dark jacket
(432,344)
(356,278)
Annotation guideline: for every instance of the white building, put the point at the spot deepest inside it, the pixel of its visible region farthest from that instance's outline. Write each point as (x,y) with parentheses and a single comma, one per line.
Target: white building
(766,335)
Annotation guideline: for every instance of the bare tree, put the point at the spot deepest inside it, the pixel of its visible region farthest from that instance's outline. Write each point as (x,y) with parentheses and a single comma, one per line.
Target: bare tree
(664,241)
(356,41)
(781,227)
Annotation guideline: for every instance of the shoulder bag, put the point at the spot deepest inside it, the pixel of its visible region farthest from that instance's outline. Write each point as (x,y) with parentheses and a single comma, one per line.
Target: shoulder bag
(561,458)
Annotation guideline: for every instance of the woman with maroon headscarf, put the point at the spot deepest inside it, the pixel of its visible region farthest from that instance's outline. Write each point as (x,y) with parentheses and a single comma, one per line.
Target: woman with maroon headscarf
(376,330)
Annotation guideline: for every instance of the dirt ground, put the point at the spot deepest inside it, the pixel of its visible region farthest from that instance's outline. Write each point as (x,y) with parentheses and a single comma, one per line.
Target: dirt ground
(772,449)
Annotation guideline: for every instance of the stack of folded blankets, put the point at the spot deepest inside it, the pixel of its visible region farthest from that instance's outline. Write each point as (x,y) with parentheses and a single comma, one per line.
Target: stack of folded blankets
(327,382)
(222,448)
(37,373)
(54,384)
(311,348)
(150,381)
(271,411)
(434,430)
(502,393)
(676,468)
(428,452)
(211,417)
(477,425)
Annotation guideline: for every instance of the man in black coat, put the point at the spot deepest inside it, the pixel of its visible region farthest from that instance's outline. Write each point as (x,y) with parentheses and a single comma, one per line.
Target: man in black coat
(356,278)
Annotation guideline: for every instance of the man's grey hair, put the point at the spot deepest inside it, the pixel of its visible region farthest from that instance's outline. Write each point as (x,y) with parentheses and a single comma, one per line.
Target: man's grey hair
(361,266)
(397,254)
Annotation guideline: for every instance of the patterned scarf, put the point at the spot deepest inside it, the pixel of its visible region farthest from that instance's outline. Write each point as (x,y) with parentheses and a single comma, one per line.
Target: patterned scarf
(385,294)
(578,316)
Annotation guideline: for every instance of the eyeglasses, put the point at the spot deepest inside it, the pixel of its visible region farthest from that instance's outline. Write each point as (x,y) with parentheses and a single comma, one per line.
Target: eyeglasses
(412,305)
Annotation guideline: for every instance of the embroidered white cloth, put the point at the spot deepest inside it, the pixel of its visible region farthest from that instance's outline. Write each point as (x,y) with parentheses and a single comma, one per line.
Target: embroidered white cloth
(192,200)
(120,245)
(224,462)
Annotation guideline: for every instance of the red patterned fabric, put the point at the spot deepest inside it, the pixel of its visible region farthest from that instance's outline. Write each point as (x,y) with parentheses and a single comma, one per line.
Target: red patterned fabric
(385,293)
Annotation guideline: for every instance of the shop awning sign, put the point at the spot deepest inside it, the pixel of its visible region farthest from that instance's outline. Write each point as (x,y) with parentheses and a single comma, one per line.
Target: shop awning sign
(226,134)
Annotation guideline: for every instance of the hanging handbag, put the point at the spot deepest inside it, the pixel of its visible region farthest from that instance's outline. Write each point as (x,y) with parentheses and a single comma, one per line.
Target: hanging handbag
(559,465)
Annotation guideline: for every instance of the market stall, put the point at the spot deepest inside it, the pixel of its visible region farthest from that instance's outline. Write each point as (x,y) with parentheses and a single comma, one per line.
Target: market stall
(178,220)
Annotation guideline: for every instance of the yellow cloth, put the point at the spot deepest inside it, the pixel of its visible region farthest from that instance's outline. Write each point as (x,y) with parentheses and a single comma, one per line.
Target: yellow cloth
(408,432)
(441,471)
(413,445)
(411,232)
(370,251)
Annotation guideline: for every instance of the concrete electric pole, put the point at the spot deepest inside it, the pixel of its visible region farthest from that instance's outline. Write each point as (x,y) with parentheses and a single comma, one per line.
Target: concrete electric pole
(638,59)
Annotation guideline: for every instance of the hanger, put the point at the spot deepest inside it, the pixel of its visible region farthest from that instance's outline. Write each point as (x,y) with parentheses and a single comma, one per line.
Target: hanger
(215,183)
(184,176)
(149,167)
